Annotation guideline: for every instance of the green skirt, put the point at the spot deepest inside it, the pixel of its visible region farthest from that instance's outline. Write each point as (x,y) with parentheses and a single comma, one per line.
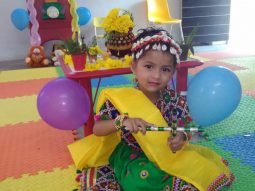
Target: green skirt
(134,171)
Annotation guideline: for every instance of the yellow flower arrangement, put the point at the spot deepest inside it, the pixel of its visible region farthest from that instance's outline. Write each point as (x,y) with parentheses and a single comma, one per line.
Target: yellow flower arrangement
(95,50)
(118,26)
(118,22)
(109,63)
(102,64)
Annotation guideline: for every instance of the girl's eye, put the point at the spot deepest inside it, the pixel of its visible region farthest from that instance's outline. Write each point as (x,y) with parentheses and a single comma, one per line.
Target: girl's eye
(148,66)
(166,69)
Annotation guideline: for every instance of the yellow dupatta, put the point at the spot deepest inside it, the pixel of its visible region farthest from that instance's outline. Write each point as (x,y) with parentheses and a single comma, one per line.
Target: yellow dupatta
(195,164)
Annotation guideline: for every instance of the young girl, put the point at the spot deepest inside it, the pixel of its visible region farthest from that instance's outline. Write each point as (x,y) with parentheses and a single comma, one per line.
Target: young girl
(149,160)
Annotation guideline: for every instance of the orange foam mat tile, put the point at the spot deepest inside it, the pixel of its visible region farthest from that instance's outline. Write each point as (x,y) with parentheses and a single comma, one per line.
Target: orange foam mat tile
(27,74)
(58,180)
(220,54)
(22,88)
(27,148)
(215,63)
(250,92)
(18,110)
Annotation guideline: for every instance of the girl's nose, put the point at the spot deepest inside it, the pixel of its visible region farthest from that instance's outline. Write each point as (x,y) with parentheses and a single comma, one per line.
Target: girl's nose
(156,74)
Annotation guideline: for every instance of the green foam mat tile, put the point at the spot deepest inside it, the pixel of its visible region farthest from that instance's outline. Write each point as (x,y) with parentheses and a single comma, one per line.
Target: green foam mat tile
(247,79)
(243,173)
(246,62)
(59,71)
(130,76)
(241,121)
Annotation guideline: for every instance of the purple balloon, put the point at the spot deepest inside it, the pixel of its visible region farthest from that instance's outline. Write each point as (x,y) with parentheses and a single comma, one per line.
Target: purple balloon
(64,104)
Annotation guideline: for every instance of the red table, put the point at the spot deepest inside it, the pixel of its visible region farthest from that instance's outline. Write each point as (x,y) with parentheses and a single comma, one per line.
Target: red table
(182,74)
(84,78)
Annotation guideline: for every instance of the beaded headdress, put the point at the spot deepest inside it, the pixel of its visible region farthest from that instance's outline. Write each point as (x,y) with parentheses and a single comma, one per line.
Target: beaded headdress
(155,39)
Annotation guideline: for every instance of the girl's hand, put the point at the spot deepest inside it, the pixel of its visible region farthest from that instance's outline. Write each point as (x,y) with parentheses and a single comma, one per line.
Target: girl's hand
(136,124)
(176,143)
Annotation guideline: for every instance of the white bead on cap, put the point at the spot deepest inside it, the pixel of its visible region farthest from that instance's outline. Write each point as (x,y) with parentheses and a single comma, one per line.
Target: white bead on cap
(158,42)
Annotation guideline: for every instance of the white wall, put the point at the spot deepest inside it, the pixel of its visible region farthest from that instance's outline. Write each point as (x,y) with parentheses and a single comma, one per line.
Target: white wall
(14,44)
(241,35)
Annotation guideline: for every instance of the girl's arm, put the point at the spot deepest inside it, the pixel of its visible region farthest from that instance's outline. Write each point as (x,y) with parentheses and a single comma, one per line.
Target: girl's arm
(104,127)
(109,121)
(105,120)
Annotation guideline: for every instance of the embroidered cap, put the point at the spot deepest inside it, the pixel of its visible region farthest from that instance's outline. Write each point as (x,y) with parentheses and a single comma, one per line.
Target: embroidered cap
(155,39)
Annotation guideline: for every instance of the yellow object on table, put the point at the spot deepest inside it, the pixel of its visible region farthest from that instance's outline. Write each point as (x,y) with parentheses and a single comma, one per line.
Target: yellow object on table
(68,59)
(101,64)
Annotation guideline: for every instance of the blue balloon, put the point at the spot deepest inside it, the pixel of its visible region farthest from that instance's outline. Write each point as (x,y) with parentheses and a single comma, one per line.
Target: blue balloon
(190,77)
(213,94)
(84,15)
(20,18)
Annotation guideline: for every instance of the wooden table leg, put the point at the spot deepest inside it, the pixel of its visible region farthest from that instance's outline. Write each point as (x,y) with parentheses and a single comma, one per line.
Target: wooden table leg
(181,82)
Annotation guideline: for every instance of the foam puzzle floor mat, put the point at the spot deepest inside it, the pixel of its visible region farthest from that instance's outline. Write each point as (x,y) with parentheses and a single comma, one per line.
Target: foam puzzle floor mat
(34,156)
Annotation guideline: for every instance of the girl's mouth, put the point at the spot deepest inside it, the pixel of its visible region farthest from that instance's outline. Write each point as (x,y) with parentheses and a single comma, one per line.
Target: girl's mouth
(154,83)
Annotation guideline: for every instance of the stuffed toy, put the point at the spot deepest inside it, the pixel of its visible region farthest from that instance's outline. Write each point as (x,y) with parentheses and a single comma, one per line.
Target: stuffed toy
(36,57)
(54,59)
(57,50)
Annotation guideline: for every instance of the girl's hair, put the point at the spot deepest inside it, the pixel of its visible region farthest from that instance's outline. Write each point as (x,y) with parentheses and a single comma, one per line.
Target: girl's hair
(155,39)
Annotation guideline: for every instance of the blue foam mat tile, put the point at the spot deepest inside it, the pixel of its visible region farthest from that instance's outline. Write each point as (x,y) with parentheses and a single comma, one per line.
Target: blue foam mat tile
(111,81)
(241,146)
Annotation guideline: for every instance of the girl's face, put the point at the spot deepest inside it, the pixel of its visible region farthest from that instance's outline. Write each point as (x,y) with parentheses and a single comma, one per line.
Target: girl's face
(153,71)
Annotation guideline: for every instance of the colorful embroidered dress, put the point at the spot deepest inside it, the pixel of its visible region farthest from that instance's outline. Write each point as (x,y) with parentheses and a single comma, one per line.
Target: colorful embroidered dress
(130,169)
